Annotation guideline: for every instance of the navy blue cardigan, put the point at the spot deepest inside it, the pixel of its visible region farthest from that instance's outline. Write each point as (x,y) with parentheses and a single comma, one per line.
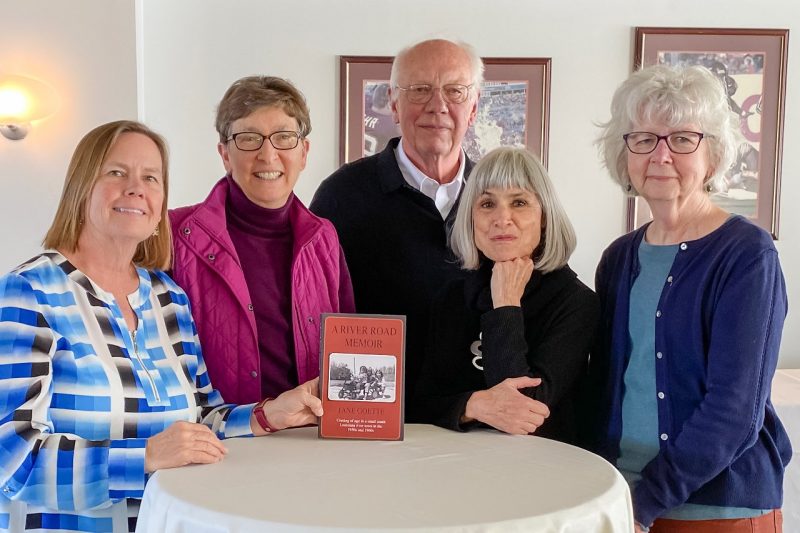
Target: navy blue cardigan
(717,339)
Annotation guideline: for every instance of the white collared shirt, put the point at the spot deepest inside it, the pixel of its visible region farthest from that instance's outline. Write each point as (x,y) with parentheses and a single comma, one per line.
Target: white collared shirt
(444,196)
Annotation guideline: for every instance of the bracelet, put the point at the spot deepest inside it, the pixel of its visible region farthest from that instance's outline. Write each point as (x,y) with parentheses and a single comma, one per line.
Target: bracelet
(261,416)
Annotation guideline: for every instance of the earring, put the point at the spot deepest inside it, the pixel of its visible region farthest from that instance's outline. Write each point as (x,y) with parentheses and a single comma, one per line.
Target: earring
(709,188)
(155,232)
(628,187)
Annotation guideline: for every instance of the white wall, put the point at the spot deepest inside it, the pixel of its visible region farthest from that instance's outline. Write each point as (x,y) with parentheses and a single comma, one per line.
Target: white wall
(85,50)
(191,50)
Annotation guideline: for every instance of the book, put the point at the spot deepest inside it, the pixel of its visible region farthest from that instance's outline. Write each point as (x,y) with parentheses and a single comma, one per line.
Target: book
(362,376)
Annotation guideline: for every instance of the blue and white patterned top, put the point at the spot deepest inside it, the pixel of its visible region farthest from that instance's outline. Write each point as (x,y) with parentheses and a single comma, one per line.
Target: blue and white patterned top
(80,395)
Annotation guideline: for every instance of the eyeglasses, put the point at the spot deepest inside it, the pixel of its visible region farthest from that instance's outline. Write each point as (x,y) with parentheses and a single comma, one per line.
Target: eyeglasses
(421,93)
(250,141)
(679,142)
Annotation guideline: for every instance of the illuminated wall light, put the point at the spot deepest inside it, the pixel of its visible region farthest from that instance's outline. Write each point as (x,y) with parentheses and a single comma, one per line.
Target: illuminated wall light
(23,100)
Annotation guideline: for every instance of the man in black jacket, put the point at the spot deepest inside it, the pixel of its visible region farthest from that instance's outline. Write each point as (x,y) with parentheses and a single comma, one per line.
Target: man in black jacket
(392,210)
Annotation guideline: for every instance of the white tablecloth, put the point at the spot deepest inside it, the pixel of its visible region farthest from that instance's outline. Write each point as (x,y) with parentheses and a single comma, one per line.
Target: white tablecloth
(786,399)
(434,480)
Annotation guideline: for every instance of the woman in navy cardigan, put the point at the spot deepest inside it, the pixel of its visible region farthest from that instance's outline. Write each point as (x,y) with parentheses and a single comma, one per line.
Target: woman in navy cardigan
(693,306)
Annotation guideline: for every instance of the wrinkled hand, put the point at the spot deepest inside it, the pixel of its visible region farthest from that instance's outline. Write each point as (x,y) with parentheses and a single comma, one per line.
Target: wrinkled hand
(297,407)
(509,279)
(181,444)
(505,408)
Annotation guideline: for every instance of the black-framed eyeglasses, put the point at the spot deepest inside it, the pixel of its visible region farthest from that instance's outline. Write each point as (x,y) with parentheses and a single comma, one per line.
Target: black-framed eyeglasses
(250,141)
(678,142)
(421,93)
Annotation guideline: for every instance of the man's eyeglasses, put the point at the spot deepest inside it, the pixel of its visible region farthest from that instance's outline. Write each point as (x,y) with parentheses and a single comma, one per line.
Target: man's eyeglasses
(679,142)
(421,93)
(250,141)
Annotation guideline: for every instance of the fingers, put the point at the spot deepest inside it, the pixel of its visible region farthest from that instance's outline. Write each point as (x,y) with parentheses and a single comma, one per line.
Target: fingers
(523,382)
(311,386)
(509,279)
(315,405)
(212,442)
(183,443)
(506,409)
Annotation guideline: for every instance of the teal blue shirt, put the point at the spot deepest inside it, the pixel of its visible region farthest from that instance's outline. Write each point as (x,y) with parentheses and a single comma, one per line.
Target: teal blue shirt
(639,442)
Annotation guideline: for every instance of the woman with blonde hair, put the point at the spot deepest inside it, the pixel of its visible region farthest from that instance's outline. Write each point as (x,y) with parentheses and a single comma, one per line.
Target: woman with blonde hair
(103,381)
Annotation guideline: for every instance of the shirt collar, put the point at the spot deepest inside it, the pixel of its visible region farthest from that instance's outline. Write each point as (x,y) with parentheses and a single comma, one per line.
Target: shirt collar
(444,196)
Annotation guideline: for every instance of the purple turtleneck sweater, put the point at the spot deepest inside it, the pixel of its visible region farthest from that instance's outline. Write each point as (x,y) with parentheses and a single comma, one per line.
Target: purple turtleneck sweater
(263,240)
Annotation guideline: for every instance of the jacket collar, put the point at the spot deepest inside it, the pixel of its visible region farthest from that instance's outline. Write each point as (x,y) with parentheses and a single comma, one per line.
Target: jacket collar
(210,215)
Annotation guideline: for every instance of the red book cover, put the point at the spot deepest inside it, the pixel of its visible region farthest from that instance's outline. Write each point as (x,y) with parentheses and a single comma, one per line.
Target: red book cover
(362,376)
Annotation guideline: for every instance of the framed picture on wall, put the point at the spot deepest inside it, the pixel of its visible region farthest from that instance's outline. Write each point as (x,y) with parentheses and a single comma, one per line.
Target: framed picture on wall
(514,107)
(752,66)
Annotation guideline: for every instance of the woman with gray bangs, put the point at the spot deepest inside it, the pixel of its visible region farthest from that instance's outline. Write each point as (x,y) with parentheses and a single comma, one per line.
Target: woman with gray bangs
(693,305)
(509,344)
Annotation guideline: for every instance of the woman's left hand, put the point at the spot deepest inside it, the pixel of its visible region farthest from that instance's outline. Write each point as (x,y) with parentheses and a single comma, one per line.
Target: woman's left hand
(509,279)
(299,406)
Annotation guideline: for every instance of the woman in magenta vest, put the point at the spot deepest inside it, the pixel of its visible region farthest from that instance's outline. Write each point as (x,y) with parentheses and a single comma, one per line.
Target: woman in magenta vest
(259,268)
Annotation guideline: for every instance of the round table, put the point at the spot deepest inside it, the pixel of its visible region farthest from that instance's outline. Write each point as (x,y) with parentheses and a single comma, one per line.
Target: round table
(434,480)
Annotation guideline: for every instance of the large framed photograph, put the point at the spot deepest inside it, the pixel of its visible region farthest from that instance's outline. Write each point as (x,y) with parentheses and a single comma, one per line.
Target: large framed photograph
(751,63)
(514,107)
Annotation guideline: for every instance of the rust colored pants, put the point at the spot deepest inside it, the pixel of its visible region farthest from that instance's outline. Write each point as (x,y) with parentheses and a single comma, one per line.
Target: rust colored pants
(768,523)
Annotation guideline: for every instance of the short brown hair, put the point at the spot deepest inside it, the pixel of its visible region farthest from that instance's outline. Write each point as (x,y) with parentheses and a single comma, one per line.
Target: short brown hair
(84,170)
(253,92)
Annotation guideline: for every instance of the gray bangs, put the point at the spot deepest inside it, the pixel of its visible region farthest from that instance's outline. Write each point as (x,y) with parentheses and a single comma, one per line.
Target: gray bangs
(509,171)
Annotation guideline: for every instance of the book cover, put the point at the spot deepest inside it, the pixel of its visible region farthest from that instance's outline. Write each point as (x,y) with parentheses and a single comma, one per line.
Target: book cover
(362,376)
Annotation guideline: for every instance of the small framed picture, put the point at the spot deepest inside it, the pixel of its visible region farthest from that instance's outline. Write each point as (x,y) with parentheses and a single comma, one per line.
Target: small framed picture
(513,110)
(751,63)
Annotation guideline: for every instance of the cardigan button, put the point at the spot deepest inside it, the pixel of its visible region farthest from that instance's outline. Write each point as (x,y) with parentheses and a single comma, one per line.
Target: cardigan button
(187,231)
(664,436)
(684,246)
(211,257)
(659,355)
(249,307)
(253,374)
(660,395)
(658,314)
(310,320)
(669,279)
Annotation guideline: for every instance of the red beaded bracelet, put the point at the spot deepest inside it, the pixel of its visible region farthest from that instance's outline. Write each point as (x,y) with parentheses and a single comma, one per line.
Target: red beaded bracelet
(261,416)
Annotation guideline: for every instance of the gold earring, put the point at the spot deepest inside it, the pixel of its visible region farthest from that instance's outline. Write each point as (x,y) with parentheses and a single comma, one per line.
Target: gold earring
(155,232)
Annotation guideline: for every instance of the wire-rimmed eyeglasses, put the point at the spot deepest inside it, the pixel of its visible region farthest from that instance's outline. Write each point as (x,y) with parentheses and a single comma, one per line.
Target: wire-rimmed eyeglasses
(250,141)
(421,93)
(678,142)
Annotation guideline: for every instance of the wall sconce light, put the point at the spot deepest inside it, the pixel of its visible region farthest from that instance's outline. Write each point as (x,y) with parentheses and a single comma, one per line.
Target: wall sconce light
(23,100)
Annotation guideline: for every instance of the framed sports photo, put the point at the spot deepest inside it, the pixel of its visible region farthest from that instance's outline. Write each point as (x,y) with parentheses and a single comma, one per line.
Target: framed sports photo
(751,63)
(513,110)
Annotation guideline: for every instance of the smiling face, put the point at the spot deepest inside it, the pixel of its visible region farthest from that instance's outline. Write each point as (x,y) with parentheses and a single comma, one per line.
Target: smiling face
(126,201)
(266,176)
(434,129)
(664,176)
(507,223)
